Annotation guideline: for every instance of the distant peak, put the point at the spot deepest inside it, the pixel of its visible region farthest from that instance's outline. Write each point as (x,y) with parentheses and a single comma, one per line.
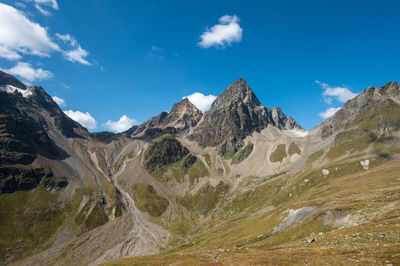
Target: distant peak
(184,106)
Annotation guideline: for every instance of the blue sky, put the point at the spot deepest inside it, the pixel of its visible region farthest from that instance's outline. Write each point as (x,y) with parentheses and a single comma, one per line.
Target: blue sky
(137,58)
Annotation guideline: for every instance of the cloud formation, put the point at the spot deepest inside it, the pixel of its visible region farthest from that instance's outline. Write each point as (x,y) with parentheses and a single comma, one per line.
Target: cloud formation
(85,119)
(59,101)
(201,101)
(28,73)
(43,5)
(220,35)
(329,112)
(123,124)
(76,54)
(341,94)
(19,35)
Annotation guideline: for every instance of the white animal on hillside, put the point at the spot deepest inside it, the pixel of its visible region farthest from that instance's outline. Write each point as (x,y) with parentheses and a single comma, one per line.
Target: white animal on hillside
(325,172)
(365,164)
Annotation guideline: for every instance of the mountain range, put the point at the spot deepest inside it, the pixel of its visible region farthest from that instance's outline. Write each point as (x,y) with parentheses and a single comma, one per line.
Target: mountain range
(239,184)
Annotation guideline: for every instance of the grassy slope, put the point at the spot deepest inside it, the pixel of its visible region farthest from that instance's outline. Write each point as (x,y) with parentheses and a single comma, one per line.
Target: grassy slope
(147,199)
(241,231)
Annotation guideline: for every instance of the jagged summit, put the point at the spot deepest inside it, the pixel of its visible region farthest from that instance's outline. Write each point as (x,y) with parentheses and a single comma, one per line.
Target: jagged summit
(181,118)
(235,114)
(238,91)
(185,107)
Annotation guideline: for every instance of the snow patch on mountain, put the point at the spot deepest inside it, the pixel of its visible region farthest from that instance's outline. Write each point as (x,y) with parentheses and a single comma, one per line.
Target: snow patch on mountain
(12,89)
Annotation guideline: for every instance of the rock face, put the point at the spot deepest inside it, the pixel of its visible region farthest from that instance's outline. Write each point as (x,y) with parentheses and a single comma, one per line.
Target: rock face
(26,120)
(163,152)
(15,178)
(235,114)
(183,116)
(45,154)
(377,101)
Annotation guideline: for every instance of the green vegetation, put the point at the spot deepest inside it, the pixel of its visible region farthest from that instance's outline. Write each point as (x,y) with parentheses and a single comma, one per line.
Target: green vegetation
(313,157)
(220,171)
(278,154)
(197,170)
(294,149)
(95,218)
(382,115)
(177,171)
(208,159)
(29,221)
(367,130)
(242,154)
(147,199)
(89,217)
(173,171)
(204,200)
(350,141)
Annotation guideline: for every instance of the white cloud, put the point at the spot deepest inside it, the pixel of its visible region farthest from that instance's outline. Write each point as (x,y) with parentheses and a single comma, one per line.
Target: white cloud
(20,5)
(42,10)
(51,3)
(123,124)
(222,34)
(339,93)
(67,38)
(19,35)
(59,101)
(77,54)
(28,73)
(201,101)
(40,4)
(329,112)
(85,119)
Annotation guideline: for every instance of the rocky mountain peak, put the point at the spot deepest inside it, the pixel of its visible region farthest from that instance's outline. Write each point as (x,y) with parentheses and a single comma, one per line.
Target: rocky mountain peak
(236,114)
(238,91)
(185,107)
(179,120)
(282,121)
(391,89)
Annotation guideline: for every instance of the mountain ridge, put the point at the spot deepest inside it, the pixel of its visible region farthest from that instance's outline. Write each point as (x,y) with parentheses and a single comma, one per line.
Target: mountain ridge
(195,184)
(235,114)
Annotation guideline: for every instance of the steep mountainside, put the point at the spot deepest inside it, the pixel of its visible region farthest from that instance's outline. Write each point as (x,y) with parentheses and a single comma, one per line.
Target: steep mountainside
(236,114)
(239,184)
(383,101)
(49,190)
